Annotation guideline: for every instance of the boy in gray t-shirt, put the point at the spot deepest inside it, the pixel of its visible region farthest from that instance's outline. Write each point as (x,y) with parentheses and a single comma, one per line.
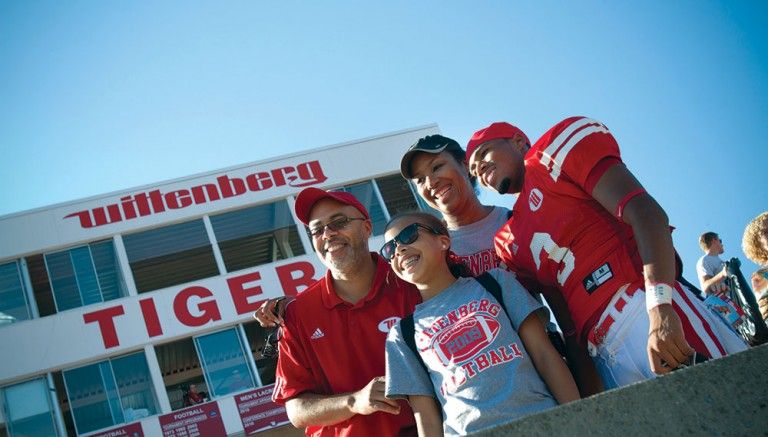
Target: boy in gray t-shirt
(479,370)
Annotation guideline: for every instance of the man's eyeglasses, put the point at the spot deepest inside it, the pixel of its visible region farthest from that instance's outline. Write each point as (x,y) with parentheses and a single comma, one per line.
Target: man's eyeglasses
(334,225)
(408,235)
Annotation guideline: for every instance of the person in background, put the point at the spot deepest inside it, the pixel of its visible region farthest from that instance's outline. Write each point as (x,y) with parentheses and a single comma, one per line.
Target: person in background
(193,397)
(467,340)
(755,246)
(760,288)
(710,268)
(755,240)
(330,368)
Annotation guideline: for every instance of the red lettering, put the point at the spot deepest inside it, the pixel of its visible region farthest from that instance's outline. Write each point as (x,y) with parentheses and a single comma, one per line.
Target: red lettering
(154,202)
(177,199)
(142,202)
(495,358)
(484,305)
(85,218)
(209,311)
(474,263)
(278,175)
(240,293)
(151,320)
(199,194)
(487,260)
(468,370)
(258,181)
(515,352)
(453,317)
(156,198)
(230,186)
(482,362)
(435,326)
(128,210)
(100,216)
(106,320)
(311,172)
(291,283)
(473,306)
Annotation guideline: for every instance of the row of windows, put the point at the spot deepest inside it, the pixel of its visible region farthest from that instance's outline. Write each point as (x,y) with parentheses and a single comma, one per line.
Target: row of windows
(121,390)
(177,254)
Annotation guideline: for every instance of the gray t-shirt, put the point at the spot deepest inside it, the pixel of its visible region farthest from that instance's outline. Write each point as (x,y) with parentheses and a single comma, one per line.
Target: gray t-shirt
(708,265)
(479,370)
(473,243)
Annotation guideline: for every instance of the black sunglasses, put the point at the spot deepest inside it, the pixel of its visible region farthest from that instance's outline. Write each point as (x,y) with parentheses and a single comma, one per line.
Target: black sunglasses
(408,235)
(334,225)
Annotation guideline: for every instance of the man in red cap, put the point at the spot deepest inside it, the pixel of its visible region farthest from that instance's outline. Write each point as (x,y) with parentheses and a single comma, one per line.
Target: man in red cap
(331,357)
(583,226)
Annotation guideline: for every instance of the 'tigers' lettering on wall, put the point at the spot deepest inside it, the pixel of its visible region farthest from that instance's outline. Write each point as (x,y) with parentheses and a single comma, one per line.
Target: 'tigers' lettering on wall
(293,278)
(154,202)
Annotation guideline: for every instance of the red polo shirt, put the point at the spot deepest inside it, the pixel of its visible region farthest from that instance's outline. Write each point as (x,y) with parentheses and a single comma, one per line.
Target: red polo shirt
(330,346)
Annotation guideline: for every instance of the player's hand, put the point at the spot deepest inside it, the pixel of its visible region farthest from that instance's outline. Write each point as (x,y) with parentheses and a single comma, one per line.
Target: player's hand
(270,313)
(370,399)
(718,288)
(667,347)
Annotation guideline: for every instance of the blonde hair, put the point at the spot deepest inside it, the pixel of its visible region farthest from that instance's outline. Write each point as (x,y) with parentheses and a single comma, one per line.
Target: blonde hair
(751,244)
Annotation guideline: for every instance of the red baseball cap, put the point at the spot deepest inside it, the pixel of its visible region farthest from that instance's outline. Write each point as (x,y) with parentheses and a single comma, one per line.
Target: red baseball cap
(500,129)
(308,197)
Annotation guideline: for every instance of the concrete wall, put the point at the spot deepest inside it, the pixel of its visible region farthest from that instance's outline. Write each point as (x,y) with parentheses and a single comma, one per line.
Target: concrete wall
(721,397)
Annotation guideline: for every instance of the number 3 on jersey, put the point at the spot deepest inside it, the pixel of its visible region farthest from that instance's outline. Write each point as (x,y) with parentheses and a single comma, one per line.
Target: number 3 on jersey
(542,242)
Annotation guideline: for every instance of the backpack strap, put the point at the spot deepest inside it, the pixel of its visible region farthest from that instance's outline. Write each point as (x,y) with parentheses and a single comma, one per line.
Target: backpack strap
(492,286)
(409,336)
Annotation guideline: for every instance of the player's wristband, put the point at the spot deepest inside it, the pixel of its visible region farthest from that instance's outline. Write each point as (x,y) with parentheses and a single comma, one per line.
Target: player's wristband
(657,294)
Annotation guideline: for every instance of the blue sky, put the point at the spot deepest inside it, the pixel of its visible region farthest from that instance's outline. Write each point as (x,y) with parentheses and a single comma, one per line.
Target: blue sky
(102,96)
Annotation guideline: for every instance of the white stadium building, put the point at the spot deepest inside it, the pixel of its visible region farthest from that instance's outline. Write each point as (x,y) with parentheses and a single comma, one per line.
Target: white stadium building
(111,306)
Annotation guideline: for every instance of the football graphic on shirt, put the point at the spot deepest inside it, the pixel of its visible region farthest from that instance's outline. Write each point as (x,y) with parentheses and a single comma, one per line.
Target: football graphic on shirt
(466,338)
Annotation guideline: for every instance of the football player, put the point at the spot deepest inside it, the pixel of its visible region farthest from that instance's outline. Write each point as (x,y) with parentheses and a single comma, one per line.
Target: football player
(585,227)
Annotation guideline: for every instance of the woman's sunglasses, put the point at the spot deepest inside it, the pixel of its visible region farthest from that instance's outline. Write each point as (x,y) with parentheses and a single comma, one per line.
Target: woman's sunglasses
(408,235)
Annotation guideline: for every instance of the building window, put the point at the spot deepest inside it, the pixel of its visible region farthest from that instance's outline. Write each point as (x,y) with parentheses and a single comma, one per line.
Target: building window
(75,277)
(255,236)
(397,194)
(28,409)
(224,362)
(41,286)
(170,255)
(180,368)
(84,275)
(110,392)
(13,298)
(365,193)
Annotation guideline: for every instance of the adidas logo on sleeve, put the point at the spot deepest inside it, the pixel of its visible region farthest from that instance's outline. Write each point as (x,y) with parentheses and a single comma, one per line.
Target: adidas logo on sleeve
(317,334)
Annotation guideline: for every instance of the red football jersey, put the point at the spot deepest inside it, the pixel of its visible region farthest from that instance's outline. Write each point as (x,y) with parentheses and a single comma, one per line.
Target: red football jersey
(330,346)
(559,235)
